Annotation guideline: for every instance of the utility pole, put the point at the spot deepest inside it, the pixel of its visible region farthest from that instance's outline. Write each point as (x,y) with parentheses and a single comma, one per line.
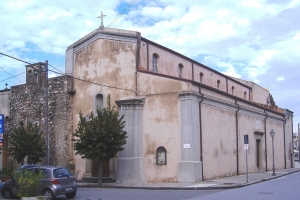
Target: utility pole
(46,113)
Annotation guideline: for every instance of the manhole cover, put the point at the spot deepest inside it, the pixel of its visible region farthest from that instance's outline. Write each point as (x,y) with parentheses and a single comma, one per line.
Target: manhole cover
(227,183)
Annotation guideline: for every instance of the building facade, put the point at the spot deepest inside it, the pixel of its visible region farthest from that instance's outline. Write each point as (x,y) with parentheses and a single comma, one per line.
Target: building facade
(27,102)
(185,121)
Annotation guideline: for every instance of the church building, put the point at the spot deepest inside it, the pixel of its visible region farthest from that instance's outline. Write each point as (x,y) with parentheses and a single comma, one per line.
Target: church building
(185,122)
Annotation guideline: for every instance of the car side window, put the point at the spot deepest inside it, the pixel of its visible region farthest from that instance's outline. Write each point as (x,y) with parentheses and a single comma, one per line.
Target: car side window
(43,171)
(57,173)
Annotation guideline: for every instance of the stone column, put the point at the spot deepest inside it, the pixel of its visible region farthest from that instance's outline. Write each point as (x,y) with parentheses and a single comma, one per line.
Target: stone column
(88,168)
(190,167)
(130,166)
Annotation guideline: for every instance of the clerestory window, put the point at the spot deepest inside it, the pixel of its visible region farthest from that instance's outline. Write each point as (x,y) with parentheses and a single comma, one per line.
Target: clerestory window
(180,68)
(201,77)
(154,62)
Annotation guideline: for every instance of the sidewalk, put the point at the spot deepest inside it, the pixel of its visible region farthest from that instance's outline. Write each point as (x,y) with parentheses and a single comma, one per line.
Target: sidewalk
(220,183)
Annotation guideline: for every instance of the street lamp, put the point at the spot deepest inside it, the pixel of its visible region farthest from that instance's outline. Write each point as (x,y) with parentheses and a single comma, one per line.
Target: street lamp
(272,133)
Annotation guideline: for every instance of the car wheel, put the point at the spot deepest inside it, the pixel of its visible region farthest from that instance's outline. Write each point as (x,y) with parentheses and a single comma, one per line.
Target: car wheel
(71,195)
(7,194)
(48,194)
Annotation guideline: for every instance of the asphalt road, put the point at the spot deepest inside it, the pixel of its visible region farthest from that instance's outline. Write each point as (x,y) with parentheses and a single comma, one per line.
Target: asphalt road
(286,187)
(283,188)
(131,194)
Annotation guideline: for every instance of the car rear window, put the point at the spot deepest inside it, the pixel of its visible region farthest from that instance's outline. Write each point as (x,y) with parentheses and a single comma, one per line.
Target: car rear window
(61,172)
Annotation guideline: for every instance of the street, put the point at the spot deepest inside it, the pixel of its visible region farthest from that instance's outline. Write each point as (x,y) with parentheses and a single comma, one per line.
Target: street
(285,187)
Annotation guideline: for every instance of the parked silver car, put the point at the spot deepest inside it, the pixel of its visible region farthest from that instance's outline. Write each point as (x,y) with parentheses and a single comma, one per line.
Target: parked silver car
(58,181)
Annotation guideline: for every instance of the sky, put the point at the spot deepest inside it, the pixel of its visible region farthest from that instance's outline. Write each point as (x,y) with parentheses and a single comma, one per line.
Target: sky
(254,40)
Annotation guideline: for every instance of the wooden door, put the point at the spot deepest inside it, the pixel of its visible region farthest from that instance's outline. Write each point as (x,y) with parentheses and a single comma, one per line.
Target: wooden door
(95,168)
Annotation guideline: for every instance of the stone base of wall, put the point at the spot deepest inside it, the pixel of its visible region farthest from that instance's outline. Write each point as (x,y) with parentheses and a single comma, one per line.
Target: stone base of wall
(190,172)
(130,170)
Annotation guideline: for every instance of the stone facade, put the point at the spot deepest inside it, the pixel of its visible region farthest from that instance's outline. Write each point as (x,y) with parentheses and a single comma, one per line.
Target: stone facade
(27,102)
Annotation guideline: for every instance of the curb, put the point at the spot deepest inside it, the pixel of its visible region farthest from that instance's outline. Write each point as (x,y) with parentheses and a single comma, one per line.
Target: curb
(217,187)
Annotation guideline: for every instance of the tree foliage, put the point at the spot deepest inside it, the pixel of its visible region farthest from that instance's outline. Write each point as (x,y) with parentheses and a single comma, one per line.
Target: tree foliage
(27,182)
(101,136)
(27,140)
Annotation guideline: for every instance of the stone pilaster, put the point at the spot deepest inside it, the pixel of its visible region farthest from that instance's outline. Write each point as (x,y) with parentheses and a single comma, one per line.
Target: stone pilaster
(190,167)
(130,168)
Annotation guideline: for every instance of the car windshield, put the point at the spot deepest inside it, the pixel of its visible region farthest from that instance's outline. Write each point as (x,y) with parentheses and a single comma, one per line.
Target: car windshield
(60,172)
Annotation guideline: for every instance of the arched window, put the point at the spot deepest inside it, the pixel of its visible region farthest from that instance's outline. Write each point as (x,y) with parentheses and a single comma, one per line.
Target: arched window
(36,76)
(98,102)
(161,156)
(232,90)
(154,62)
(180,67)
(218,84)
(201,77)
(245,95)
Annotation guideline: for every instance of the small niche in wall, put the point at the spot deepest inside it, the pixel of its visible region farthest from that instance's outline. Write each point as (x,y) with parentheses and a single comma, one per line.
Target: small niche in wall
(161,156)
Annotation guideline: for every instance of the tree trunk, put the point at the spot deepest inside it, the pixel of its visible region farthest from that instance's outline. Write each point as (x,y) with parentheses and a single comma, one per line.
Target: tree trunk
(100,172)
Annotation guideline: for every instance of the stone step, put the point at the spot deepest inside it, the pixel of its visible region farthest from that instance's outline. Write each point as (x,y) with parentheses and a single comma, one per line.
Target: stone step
(95,180)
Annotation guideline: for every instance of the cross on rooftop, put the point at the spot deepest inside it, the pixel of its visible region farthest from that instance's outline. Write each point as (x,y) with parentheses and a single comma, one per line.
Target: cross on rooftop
(101,17)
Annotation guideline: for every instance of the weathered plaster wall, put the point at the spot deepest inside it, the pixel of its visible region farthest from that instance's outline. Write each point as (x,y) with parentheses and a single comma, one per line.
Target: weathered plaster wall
(168,62)
(161,124)
(218,136)
(107,67)
(4,102)
(220,142)
(259,93)
(277,126)
(27,103)
(248,124)
(289,139)
(210,78)
(238,90)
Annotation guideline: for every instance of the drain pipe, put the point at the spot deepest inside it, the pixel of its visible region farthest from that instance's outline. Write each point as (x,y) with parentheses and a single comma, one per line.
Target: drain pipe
(237,137)
(284,146)
(200,123)
(265,120)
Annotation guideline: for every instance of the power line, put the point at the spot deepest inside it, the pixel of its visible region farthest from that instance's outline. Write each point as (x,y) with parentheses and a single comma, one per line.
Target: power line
(56,72)
(55,68)
(20,61)
(15,58)
(10,74)
(121,14)
(115,87)
(13,77)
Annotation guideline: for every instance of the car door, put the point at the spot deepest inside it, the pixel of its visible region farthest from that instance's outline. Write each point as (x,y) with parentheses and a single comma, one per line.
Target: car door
(43,181)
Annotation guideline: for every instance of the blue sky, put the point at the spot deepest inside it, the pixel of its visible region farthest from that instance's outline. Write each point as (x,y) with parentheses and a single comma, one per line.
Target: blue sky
(255,40)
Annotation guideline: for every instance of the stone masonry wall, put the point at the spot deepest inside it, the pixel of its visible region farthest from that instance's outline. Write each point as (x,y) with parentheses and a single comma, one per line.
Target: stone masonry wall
(27,102)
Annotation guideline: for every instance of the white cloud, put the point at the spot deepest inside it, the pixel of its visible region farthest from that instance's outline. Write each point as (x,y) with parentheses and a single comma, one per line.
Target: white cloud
(256,40)
(279,78)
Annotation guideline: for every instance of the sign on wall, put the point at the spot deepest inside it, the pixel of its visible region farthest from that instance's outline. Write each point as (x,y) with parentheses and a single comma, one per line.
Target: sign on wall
(1,123)
(1,129)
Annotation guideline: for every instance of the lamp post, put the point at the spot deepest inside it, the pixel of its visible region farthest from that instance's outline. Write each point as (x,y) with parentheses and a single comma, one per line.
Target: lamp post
(272,133)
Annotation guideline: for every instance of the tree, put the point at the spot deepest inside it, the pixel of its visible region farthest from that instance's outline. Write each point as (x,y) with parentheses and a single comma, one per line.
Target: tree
(27,140)
(100,137)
